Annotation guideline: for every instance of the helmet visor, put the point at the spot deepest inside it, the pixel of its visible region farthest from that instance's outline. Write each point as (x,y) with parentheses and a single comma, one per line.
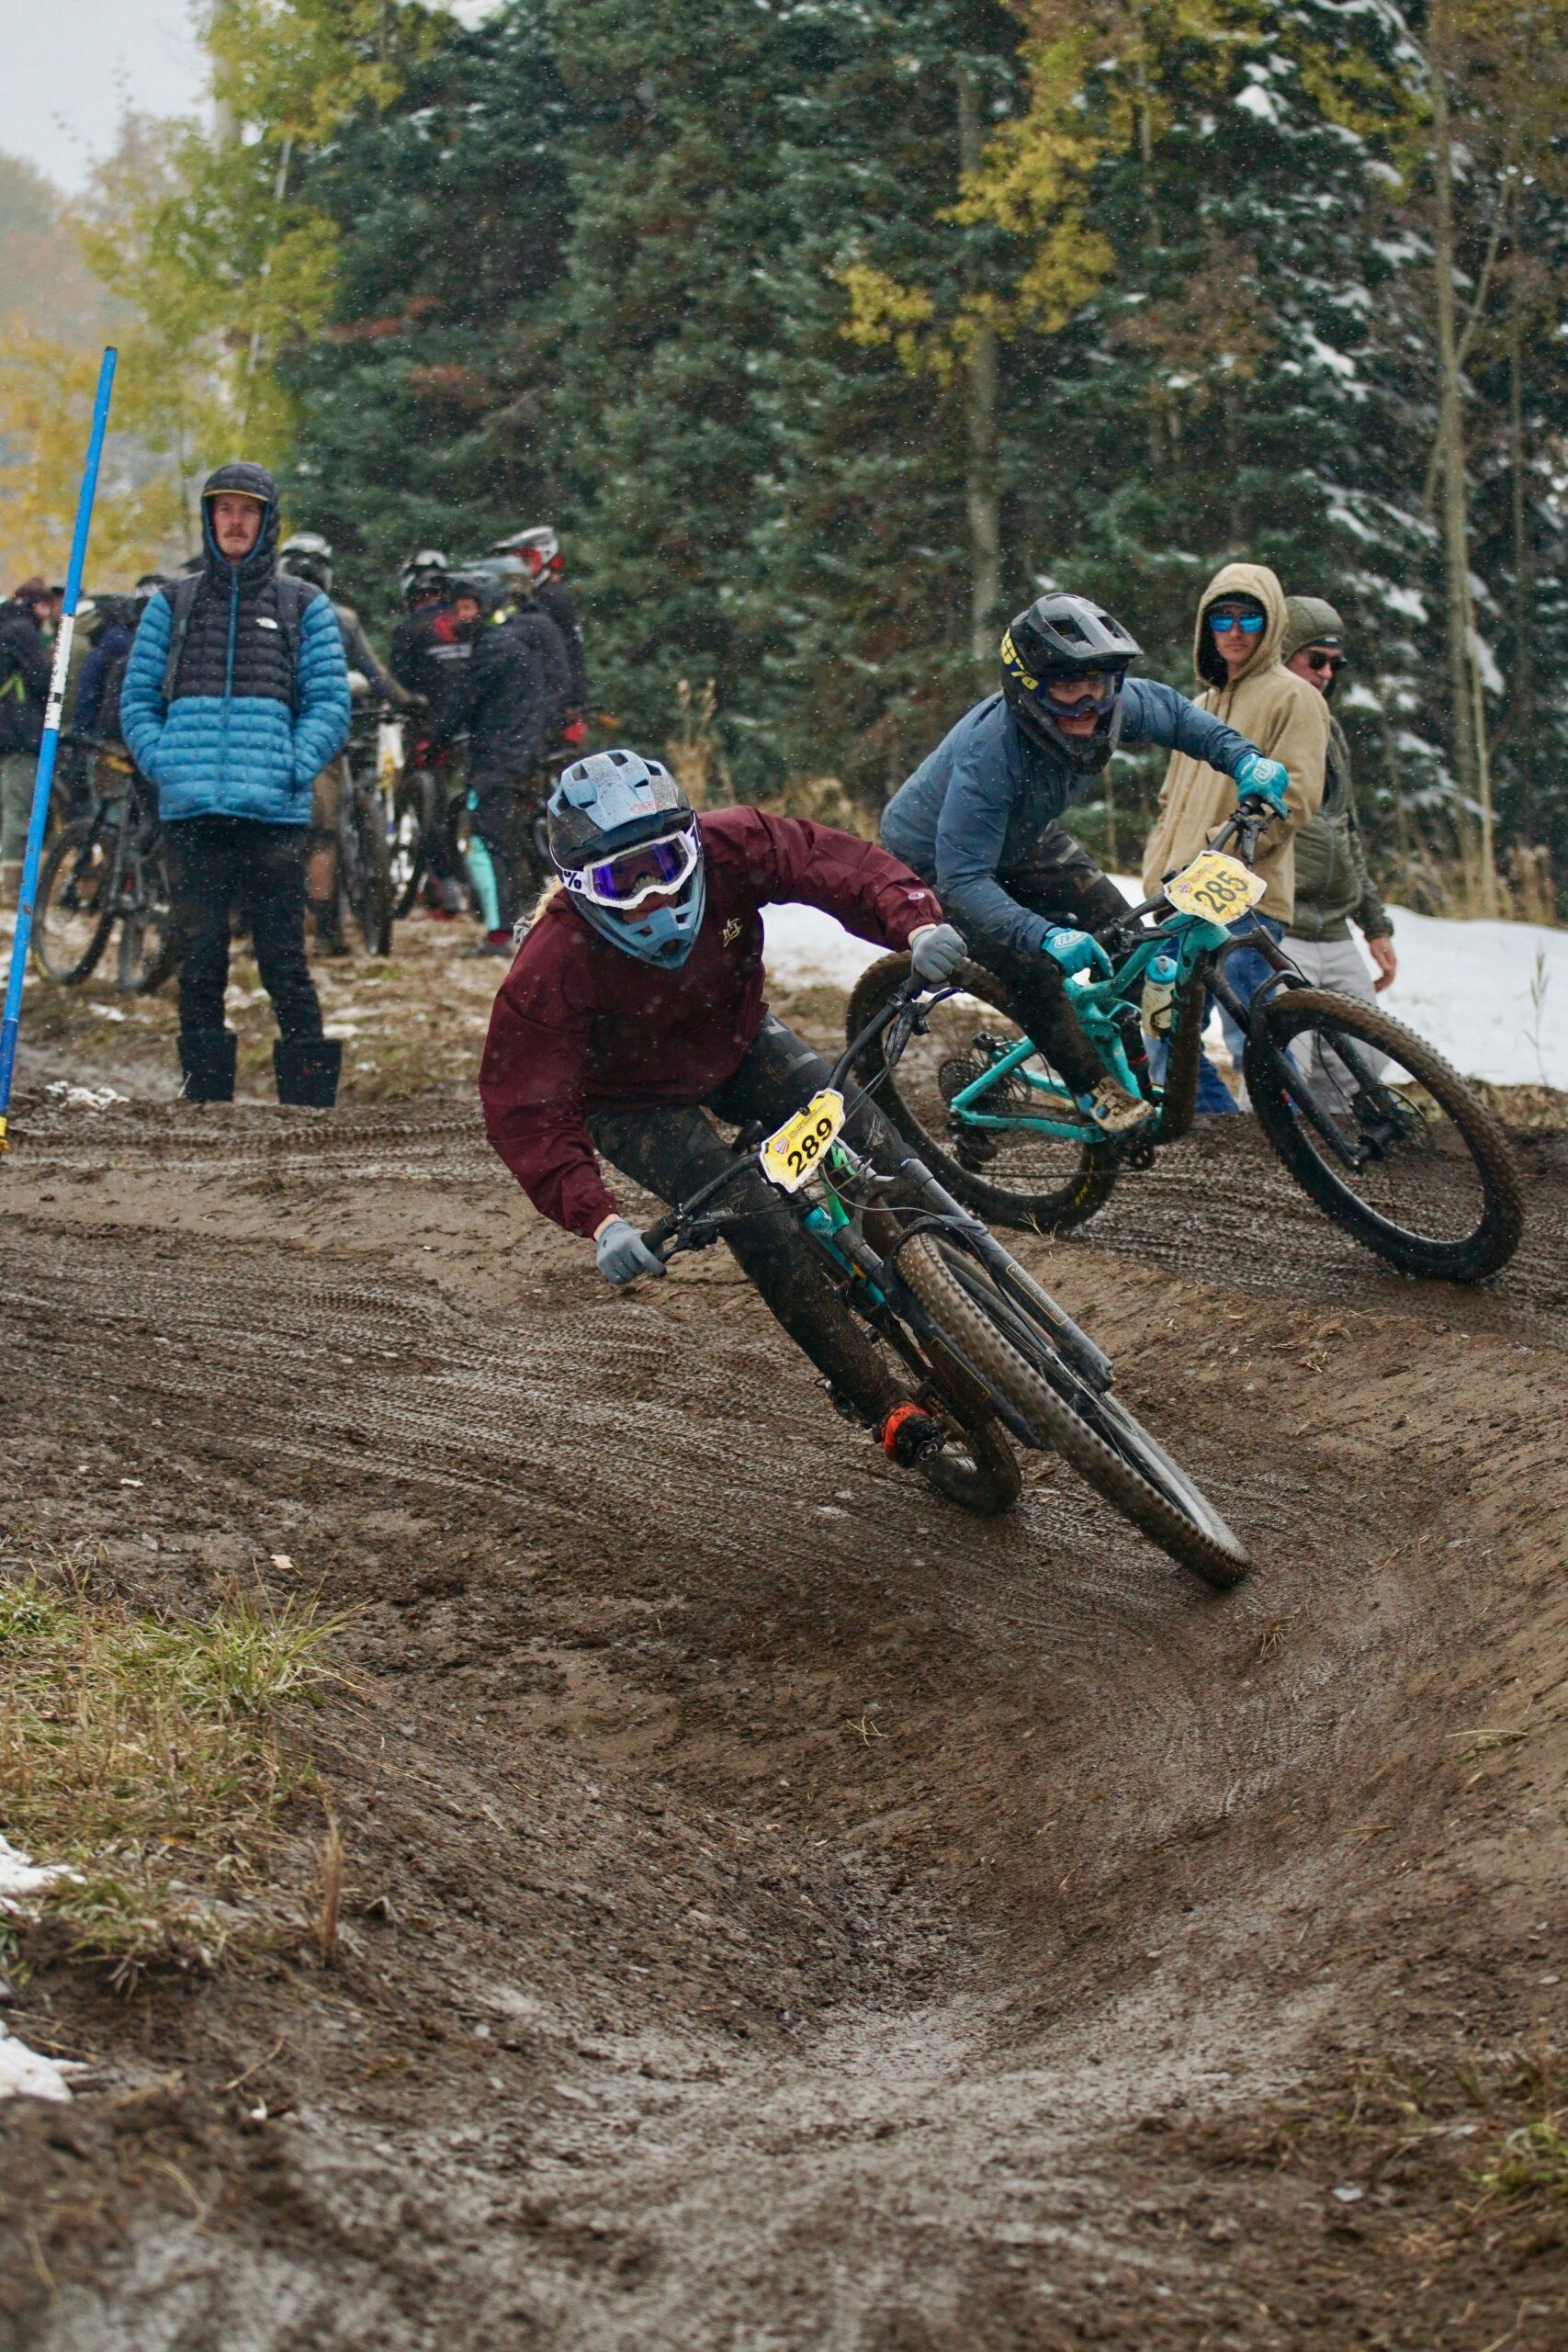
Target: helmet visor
(651,870)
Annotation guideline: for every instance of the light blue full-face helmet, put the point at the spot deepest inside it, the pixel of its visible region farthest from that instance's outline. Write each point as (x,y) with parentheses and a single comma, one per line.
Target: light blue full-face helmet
(625,841)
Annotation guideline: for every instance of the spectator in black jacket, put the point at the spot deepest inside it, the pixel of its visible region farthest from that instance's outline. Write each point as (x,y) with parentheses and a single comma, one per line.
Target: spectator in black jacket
(508,696)
(24,690)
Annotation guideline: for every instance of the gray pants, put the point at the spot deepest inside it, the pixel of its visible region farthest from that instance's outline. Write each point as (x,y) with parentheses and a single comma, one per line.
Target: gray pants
(17,770)
(1332,964)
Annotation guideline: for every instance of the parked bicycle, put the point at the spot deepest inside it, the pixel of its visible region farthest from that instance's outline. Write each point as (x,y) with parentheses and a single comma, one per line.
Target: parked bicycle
(994,1360)
(374,760)
(1372,1123)
(105,870)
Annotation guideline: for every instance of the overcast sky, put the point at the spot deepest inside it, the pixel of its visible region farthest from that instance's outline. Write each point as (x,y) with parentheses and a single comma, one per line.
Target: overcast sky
(69,68)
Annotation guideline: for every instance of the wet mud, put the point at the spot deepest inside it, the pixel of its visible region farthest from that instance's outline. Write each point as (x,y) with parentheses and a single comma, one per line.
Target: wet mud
(782,1912)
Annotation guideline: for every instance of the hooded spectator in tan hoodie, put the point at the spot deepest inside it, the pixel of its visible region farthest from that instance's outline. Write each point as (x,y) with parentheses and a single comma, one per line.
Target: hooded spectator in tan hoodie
(1236,649)
(1248,685)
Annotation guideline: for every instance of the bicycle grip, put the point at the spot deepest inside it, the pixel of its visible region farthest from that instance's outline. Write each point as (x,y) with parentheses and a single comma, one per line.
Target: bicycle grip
(659,1234)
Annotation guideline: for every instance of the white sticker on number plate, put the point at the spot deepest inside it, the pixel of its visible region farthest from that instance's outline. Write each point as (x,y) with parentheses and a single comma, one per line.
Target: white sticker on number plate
(1214,888)
(791,1156)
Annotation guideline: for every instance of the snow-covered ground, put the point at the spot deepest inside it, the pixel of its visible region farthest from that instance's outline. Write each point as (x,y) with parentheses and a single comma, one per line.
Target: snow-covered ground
(24,2072)
(1465,987)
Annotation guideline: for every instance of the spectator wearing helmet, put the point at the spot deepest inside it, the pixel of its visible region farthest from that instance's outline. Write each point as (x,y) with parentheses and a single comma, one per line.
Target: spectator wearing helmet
(508,697)
(308,556)
(1237,652)
(541,551)
(635,1007)
(235,697)
(981,817)
(424,649)
(24,691)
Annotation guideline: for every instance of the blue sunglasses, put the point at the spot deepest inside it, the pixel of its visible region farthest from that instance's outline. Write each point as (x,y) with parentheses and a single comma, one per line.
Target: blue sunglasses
(1250,624)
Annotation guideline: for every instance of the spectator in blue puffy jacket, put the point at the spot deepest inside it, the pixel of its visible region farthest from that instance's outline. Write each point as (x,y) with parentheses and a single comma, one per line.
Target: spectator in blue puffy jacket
(235,697)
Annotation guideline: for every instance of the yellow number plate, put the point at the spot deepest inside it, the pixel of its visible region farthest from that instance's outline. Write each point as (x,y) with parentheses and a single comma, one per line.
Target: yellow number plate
(1216,888)
(791,1156)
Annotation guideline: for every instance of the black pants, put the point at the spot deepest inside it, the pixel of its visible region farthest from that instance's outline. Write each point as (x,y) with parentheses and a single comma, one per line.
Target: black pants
(217,864)
(1064,885)
(669,1149)
(503,819)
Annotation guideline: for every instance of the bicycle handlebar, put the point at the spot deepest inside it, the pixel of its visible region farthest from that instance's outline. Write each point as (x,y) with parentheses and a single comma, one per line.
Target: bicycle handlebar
(664,1237)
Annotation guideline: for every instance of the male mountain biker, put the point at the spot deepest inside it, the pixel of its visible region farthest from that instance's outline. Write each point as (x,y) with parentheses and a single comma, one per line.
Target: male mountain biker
(1236,647)
(308,556)
(981,819)
(541,551)
(426,657)
(635,1006)
(509,696)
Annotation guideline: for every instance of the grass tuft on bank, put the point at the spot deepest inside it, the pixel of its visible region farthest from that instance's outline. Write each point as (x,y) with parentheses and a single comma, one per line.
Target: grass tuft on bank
(152,1758)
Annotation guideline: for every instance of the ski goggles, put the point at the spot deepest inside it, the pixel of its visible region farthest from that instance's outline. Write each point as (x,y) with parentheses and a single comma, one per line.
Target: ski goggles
(1250,624)
(1086,690)
(650,871)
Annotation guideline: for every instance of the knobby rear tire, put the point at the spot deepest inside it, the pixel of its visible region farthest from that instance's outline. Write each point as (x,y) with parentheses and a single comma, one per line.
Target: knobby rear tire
(1054,1211)
(1467,1258)
(1189,1529)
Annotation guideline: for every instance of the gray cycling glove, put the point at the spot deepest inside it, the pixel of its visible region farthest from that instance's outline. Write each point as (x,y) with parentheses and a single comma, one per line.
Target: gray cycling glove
(621,1255)
(935,953)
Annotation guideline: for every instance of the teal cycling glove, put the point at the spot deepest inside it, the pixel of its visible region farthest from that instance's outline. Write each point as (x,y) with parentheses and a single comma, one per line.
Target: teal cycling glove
(1258,779)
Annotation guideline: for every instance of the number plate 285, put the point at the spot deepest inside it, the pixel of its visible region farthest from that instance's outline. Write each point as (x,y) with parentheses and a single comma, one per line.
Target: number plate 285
(792,1156)
(1214,888)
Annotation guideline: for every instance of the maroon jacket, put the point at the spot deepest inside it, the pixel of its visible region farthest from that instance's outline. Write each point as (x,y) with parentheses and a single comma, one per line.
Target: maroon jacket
(579,1026)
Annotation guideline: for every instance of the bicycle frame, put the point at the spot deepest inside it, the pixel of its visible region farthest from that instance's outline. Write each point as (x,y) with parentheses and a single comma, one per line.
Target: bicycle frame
(847,1186)
(1103,1008)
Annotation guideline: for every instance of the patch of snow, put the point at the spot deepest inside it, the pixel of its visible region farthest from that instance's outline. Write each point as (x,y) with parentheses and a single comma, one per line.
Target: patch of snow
(24,2072)
(1256,100)
(1408,601)
(86,1097)
(1465,987)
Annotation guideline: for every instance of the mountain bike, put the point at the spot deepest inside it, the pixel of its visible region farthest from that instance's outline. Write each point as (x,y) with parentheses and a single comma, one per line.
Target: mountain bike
(1372,1123)
(106,869)
(991,1357)
(373,758)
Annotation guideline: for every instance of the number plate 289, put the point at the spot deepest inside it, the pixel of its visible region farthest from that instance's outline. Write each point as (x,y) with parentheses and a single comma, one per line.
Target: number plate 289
(791,1156)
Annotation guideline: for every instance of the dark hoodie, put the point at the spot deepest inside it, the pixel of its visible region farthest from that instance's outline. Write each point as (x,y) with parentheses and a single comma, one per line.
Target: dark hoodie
(246,729)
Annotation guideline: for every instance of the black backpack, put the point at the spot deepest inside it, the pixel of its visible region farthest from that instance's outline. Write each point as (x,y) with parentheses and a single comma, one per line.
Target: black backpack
(109,727)
(293,595)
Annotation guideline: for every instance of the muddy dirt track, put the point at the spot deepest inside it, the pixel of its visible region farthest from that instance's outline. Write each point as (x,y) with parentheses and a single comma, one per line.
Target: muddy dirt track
(782,1911)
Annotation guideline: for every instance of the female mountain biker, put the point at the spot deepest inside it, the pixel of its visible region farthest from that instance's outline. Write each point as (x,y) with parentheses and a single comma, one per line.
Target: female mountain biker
(635,1005)
(981,816)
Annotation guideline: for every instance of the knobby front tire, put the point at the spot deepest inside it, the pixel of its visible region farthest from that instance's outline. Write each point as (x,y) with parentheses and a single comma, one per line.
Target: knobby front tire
(1095,1433)
(75,901)
(1439,1197)
(1035,1184)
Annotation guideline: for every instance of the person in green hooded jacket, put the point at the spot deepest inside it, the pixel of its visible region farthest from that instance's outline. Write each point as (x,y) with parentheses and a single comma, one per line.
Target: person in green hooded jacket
(1333,888)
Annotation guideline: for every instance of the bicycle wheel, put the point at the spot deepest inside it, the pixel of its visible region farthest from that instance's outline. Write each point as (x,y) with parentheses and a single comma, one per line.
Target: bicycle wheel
(413,820)
(1095,1433)
(1399,1153)
(75,901)
(370,881)
(977,1468)
(1027,1181)
(146,922)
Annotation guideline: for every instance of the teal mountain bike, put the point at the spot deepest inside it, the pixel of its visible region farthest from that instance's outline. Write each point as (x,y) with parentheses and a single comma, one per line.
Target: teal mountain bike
(1372,1123)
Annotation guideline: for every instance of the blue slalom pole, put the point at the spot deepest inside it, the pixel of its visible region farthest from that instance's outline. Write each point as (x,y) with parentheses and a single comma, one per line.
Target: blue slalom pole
(50,743)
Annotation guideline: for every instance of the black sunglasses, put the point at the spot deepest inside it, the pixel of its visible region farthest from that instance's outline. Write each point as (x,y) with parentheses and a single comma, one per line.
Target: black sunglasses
(1330,662)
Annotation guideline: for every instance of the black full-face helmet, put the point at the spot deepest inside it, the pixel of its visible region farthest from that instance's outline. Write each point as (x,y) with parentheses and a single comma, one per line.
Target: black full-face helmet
(1063,642)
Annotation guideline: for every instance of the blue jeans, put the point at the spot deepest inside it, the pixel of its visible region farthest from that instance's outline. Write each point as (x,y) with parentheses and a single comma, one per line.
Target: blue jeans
(1246,972)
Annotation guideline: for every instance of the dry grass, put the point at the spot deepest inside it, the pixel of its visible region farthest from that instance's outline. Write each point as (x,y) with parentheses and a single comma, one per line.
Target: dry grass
(150,1756)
